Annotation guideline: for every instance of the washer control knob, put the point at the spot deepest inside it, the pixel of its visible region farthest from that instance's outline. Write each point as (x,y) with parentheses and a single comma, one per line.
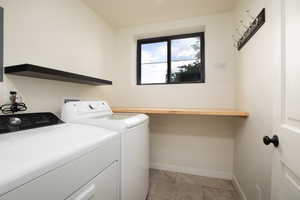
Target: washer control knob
(15,121)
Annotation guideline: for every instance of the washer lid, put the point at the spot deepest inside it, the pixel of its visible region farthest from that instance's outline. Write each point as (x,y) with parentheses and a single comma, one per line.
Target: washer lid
(26,155)
(118,121)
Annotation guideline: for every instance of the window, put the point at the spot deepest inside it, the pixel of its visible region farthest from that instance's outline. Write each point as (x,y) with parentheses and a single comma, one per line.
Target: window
(171,60)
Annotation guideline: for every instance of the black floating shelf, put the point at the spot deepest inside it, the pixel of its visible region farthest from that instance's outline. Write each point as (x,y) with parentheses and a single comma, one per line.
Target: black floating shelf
(53,74)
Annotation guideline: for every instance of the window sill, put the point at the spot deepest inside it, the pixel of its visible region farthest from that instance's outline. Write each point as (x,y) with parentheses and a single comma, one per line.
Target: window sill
(194,82)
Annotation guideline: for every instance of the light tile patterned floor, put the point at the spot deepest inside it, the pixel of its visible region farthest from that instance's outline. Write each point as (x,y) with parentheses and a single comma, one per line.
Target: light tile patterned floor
(177,186)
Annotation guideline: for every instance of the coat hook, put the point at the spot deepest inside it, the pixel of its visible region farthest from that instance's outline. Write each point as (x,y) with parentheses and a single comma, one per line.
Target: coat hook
(235,44)
(238,32)
(243,25)
(252,18)
(249,14)
(235,41)
(234,38)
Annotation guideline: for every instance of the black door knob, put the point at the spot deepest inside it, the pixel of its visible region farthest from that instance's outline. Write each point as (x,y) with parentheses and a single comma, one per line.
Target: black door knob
(274,140)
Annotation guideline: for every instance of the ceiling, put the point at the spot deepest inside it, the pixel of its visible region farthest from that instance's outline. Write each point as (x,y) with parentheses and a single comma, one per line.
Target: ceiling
(121,13)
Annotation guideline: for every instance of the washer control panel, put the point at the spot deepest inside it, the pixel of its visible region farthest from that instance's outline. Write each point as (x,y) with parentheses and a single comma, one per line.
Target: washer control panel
(12,123)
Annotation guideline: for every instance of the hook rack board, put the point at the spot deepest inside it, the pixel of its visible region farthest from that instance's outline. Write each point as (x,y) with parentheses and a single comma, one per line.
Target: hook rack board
(258,22)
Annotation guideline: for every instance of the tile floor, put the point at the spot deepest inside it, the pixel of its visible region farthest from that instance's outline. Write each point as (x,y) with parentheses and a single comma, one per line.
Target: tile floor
(166,185)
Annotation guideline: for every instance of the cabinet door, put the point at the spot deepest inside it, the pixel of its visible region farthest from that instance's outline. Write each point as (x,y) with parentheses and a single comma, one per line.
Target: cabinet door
(105,186)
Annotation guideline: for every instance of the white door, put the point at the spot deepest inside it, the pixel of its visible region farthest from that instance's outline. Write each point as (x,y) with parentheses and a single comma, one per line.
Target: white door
(286,161)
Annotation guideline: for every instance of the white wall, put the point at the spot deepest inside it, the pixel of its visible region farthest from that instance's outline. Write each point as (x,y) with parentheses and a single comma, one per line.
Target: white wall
(218,92)
(190,144)
(61,34)
(203,145)
(256,64)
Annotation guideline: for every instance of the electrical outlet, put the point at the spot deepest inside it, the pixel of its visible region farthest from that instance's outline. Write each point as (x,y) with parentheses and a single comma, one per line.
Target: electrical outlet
(220,65)
(259,192)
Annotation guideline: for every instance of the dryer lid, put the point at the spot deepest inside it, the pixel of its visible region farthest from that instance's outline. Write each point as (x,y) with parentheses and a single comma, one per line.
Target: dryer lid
(129,120)
(118,122)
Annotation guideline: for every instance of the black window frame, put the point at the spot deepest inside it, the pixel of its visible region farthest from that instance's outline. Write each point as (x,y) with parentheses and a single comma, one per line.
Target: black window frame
(168,39)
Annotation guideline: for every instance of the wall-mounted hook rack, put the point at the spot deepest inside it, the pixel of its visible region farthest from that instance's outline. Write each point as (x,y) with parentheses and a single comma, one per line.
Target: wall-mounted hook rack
(256,24)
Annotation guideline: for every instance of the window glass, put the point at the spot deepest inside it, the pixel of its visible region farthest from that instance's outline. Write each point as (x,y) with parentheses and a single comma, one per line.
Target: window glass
(154,61)
(173,59)
(154,73)
(186,60)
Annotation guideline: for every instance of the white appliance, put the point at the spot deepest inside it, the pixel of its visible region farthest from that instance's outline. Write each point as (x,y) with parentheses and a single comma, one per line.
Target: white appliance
(57,162)
(134,142)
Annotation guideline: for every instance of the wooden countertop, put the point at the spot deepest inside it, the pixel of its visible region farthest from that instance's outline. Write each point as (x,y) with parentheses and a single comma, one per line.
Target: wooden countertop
(180,111)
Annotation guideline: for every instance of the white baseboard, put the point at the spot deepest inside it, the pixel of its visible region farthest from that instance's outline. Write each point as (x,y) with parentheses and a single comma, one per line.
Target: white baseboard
(193,171)
(238,188)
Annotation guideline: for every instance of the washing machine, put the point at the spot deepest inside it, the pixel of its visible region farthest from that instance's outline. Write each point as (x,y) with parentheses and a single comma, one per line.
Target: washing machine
(134,130)
(43,158)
